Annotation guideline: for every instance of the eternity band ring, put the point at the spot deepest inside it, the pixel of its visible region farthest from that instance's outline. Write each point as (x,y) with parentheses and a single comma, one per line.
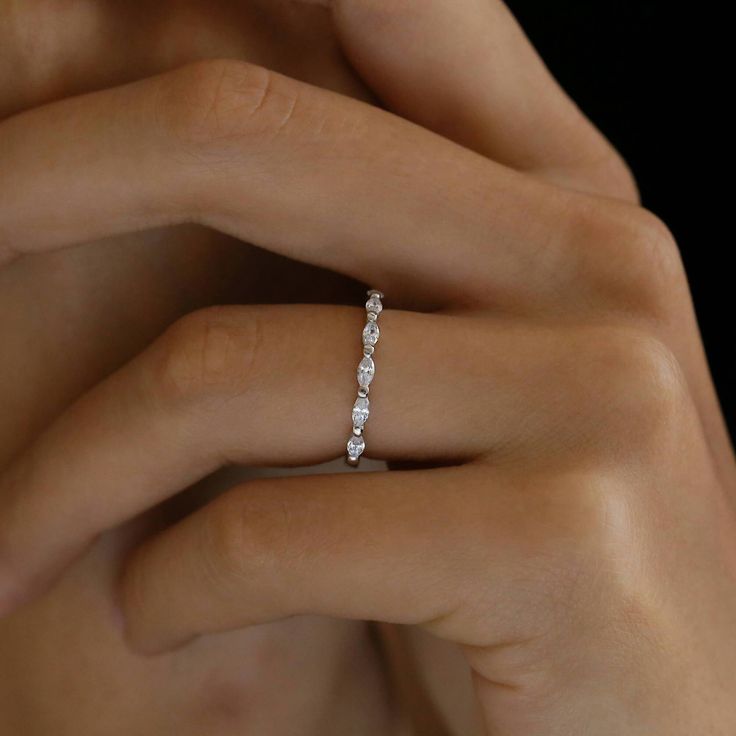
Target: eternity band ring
(366,371)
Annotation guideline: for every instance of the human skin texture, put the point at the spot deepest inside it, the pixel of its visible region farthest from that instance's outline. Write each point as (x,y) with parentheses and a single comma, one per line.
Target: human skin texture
(70,317)
(563,517)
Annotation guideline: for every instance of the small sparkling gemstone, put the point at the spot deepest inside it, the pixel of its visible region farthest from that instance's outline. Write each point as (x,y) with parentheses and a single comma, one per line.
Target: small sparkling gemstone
(370,333)
(356,445)
(366,371)
(374,305)
(361,409)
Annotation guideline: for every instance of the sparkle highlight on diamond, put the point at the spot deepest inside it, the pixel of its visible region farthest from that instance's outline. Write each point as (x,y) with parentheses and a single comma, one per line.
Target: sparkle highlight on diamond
(366,371)
(361,411)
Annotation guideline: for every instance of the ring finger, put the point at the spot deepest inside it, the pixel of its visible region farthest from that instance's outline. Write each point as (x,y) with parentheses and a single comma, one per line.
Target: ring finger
(268,385)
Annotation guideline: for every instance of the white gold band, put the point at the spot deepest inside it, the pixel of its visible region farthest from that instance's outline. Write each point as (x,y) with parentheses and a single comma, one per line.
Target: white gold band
(366,371)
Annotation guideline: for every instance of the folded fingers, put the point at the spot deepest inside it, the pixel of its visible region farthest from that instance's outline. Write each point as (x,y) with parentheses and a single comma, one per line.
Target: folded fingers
(389,546)
(315,176)
(266,385)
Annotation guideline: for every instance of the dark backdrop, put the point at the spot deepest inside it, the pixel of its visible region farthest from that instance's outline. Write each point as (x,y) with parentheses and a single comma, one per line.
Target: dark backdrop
(646,73)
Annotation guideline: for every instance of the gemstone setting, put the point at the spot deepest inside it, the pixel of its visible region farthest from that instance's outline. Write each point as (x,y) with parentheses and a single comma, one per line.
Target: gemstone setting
(361,411)
(355,447)
(366,371)
(371,333)
(374,304)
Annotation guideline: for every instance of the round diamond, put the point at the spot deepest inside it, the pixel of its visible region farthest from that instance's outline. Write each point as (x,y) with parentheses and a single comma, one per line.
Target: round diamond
(371,333)
(366,371)
(355,446)
(361,409)
(374,305)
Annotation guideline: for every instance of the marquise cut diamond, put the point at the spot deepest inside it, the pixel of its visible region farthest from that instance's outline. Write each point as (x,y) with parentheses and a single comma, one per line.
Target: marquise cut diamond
(356,445)
(374,304)
(366,371)
(371,333)
(361,410)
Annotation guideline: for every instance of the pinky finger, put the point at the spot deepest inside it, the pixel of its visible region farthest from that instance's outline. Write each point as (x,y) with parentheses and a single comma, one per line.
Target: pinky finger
(390,546)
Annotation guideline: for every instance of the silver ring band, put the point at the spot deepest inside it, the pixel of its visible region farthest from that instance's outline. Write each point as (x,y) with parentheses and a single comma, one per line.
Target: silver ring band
(366,371)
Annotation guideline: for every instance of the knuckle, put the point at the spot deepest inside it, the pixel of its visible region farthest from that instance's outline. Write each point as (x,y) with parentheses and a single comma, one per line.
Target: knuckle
(593,513)
(208,106)
(609,560)
(611,175)
(656,270)
(645,371)
(599,549)
(209,354)
(248,533)
(637,263)
(620,393)
(576,542)
(637,386)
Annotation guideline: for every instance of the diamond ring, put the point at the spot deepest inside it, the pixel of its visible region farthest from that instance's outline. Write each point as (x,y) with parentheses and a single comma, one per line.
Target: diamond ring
(366,371)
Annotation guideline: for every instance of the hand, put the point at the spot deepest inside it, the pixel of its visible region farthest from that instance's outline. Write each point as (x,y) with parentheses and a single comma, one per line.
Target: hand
(578,542)
(66,317)
(70,317)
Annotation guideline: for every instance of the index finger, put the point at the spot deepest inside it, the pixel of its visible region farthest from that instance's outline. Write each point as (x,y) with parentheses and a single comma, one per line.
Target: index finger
(465,69)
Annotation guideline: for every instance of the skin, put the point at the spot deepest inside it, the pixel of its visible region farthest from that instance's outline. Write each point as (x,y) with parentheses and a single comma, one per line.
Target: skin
(70,317)
(564,520)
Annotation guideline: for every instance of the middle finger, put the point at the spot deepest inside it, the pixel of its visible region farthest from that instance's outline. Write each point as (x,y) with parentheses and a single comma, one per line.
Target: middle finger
(299,170)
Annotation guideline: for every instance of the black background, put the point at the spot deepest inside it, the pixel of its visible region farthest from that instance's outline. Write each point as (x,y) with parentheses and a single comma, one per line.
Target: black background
(646,73)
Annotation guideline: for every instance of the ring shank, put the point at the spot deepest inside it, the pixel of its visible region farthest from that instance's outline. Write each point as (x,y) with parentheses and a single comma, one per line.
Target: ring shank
(365,373)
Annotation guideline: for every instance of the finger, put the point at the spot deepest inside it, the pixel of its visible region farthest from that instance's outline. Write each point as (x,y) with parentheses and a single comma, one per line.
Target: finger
(299,170)
(389,546)
(267,385)
(465,69)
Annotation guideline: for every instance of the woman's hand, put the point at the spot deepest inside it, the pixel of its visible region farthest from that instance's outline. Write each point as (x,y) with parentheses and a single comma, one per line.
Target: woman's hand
(579,539)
